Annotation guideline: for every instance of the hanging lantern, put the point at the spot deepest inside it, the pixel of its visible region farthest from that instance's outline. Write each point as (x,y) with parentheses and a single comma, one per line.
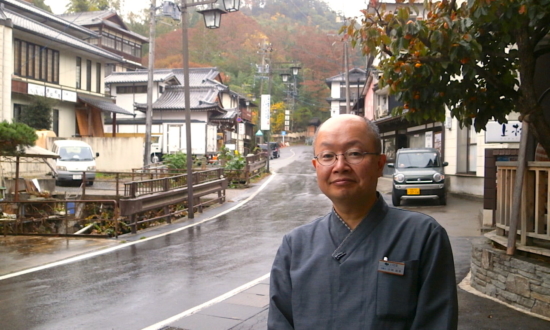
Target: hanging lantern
(295,70)
(285,76)
(232,5)
(212,17)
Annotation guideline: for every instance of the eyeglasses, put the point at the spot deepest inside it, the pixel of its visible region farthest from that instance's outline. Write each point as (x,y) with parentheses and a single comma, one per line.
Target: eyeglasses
(352,156)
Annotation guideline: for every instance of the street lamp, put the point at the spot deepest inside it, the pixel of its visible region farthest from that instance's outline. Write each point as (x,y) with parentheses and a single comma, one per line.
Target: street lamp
(230,5)
(212,17)
(285,76)
(169,9)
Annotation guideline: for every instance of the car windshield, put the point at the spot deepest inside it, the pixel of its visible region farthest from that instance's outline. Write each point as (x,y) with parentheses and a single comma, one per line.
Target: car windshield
(418,160)
(76,154)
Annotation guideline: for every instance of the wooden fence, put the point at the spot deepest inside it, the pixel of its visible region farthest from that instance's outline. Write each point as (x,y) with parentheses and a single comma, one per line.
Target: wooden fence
(534,222)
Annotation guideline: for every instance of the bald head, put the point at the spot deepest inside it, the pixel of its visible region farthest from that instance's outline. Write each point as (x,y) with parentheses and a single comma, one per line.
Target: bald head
(371,130)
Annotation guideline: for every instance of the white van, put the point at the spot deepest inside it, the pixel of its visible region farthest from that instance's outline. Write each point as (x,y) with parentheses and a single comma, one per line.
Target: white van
(75,157)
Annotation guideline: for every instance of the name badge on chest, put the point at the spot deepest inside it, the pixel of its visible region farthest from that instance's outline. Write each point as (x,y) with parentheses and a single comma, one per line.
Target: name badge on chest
(391,267)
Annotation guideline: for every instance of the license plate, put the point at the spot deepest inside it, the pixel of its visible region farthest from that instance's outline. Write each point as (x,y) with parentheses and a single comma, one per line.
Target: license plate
(413,191)
(77,176)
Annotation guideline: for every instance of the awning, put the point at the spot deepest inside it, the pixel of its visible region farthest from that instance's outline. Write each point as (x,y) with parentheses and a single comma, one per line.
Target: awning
(103,104)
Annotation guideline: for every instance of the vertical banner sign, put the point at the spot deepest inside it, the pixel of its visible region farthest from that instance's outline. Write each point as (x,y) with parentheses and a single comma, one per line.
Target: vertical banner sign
(265,112)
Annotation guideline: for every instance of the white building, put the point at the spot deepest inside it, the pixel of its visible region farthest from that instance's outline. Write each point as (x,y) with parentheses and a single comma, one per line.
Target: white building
(44,55)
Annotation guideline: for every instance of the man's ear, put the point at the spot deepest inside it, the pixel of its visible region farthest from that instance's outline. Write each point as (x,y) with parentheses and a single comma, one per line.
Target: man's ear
(314,162)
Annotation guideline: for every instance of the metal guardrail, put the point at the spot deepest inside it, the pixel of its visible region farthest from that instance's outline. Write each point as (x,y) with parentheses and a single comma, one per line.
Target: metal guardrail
(534,215)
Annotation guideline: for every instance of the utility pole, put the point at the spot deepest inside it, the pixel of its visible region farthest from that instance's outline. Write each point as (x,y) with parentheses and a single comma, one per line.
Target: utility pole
(346,68)
(149,112)
(265,50)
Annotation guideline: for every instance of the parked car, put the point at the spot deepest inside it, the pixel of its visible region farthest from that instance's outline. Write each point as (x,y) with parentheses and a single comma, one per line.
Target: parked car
(418,174)
(275,151)
(75,157)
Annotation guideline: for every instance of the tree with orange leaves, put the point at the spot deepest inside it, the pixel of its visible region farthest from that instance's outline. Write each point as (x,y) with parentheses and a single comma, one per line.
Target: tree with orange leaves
(476,59)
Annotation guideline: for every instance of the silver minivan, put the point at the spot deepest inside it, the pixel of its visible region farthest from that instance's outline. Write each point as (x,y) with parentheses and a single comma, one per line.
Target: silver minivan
(75,157)
(418,174)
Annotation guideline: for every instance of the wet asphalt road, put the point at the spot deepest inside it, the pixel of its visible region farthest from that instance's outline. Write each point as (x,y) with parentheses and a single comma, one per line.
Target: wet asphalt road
(143,284)
(140,285)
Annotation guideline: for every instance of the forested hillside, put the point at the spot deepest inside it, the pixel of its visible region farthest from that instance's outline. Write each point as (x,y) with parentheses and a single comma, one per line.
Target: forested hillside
(304,31)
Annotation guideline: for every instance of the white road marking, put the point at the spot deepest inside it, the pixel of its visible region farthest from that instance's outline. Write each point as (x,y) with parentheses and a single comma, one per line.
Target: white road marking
(123,245)
(209,303)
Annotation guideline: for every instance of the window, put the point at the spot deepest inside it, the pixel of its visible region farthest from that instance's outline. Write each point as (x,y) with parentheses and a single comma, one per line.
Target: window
(131,89)
(17,57)
(467,151)
(18,110)
(118,43)
(89,75)
(55,121)
(98,77)
(78,72)
(36,62)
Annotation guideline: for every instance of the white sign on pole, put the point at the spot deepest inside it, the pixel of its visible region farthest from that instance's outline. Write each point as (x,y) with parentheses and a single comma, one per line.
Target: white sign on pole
(265,112)
(241,129)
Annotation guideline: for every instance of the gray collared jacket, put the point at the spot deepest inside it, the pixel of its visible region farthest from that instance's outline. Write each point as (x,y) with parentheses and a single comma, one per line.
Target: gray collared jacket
(328,277)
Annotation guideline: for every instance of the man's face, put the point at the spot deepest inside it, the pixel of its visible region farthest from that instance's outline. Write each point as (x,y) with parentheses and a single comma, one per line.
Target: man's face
(344,182)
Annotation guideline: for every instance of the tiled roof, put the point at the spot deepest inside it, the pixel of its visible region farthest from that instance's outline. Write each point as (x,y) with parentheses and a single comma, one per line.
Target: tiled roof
(197,76)
(41,30)
(229,116)
(103,103)
(32,12)
(88,17)
(139,76)
(173,98)
(100,17)
(200,76)
(354,75)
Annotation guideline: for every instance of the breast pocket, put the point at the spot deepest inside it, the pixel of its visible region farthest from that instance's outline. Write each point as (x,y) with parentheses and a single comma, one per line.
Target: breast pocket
(397,295)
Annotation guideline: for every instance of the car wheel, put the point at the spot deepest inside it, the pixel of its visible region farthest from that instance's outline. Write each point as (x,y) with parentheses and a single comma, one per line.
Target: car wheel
(443,199)
(90,183)
(395,198)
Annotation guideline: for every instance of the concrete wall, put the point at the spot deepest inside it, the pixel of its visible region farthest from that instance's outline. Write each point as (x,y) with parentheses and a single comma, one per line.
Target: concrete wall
(518,281)
(115,154)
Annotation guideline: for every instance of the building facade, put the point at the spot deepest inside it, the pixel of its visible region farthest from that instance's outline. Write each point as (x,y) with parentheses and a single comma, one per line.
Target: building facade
(47,56)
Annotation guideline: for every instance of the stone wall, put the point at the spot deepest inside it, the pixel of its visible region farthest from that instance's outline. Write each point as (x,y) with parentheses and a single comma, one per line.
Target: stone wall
(516,280)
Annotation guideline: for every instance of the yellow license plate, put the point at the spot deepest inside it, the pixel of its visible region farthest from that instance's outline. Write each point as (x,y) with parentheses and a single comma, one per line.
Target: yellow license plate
(413,191)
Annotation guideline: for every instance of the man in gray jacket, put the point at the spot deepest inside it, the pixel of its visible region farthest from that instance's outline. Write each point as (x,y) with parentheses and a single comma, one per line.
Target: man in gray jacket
(364,265)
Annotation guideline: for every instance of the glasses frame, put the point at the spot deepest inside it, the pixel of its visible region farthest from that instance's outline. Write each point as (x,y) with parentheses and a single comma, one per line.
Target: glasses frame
(364,153)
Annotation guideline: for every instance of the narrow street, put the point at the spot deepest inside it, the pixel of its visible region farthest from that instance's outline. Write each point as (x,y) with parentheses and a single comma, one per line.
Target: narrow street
(142,284)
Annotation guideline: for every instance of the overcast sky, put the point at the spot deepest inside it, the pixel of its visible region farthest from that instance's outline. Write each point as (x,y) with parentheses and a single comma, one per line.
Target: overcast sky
(349,8)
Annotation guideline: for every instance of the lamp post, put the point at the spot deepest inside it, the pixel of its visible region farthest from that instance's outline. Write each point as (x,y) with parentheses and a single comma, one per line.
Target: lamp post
(291,93)
(169,9)
(212,18)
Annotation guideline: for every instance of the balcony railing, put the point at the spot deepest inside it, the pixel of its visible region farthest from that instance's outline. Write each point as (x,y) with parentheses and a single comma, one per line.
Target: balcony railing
(534,223)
